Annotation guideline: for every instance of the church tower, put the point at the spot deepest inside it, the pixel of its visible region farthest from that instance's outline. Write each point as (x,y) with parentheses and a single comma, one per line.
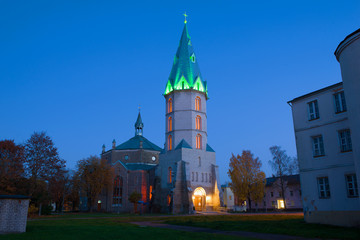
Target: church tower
(187,169)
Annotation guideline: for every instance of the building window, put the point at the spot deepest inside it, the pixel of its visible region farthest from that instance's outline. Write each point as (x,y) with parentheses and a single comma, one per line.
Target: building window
(291,193)
(230,197)
(209,178)
(340,104)
(206,177)
(170,105)
(192,176)
(313,110)
(280,204)
(318,146)
(198,122)
(345,140)
(197,104)
(273,203)
(169,142)
(197,176)
(202,177)
(351,185)
(150,192)
(117,190)
(170,124)
(324,188)
(198,141)
(168,200)
(271,194)
(169,175)
(279,194)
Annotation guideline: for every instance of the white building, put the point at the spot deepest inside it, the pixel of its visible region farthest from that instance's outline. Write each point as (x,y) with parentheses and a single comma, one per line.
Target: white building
(187,168)
(327,132)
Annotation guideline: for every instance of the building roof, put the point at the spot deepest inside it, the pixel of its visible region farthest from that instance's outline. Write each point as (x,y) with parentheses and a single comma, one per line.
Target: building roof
(134,143)
(183,144)
(316,92)
(139,166)
(185,72)
(291,180)
(139,123)
(341,45)
(209,149)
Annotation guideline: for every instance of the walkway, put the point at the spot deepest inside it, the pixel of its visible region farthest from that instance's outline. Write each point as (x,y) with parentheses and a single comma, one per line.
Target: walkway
(266,236)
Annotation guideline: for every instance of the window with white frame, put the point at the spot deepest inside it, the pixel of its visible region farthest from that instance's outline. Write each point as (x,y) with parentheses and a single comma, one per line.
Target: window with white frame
(351,185)
(345,140)
(323,187)
(318,146)
(313,110)
(340,104)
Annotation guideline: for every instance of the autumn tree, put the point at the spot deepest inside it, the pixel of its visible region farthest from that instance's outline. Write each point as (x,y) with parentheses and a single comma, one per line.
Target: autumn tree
(11,167)
(73,191)
(247,180)
(95,174)
(59,186)
(283,165)
(134,198)
(43,164)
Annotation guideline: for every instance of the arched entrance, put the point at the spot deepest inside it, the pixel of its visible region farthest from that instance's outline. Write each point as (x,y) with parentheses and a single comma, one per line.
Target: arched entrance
(199,198)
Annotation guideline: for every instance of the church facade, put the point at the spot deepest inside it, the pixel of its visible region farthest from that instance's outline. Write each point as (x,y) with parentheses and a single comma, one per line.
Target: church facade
(183,176)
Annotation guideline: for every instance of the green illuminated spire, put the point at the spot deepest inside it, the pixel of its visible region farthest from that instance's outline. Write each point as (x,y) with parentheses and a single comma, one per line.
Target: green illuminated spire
(185,72)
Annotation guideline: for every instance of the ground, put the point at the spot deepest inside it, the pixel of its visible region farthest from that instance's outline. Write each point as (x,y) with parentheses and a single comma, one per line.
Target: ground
(229,226)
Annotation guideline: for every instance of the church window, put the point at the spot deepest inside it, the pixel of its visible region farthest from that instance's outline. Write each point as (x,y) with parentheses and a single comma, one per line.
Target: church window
(209,178)
(183,85)
(169,142)
(192,176)
(170,124)
(206,177)
(197,104)
(198,122)
(197,176)
(150,192)
(170,105)
(202,177)
(117,190)
(198,141)
(192,57)
(169,175)
(168,200)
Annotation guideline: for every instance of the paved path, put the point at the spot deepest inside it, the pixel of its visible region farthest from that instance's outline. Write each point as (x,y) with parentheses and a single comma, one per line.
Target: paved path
(267,236)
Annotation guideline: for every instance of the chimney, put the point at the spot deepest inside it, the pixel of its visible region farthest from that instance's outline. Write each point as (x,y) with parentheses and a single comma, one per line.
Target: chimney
(103,148)
(113,144)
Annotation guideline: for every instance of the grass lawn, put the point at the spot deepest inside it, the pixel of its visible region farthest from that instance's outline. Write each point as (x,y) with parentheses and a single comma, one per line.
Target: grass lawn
(109,228)
(278,224)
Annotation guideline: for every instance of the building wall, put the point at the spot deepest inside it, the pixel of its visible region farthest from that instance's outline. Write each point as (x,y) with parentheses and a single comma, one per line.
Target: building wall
(13,215)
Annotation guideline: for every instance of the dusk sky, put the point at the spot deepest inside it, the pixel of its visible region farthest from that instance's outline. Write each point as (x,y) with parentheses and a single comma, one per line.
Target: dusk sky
(79,69)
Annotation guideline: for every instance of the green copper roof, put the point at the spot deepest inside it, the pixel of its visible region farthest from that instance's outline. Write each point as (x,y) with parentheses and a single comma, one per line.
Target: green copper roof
(139,166)
(185,72)
(134,143)
(209,149)
(183,144)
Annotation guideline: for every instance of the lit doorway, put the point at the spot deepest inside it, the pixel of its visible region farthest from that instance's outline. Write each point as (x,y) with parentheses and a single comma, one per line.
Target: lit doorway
(199,199)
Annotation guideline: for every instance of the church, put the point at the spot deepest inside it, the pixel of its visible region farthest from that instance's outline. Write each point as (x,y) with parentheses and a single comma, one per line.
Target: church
(183,177)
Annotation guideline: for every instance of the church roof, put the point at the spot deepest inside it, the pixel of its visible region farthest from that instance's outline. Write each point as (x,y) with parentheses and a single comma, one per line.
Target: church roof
(134,143)
(209,149)
(183,144)
(139,166)
(139,123)
(185,72)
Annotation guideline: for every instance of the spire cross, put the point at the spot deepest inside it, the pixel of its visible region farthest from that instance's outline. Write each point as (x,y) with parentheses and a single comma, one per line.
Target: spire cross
(185,17)
(139,107)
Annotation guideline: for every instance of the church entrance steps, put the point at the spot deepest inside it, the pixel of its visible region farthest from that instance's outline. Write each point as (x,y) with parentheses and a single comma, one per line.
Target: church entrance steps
(255,235)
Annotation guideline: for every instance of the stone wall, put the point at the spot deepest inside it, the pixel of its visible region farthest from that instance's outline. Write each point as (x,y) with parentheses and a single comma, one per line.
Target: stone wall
(13,213)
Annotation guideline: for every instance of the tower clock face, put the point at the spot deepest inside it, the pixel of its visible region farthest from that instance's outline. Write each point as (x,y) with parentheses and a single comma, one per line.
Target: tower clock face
(153,158)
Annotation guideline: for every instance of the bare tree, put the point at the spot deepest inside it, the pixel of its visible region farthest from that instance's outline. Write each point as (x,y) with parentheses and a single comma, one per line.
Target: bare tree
(247,180)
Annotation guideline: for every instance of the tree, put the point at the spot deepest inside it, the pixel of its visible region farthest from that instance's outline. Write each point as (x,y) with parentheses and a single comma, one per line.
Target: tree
(11,167)
(58,188)
(283,165)
(247,180)
(134,198)
(95,175)
(73,191)
(43,164)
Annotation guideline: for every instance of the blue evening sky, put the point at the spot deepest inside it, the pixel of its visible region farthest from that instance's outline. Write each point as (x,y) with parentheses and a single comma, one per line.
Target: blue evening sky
(79,69)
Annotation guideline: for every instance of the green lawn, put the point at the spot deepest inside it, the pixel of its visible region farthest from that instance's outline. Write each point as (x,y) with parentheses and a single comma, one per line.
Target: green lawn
(109,228)
(278,224)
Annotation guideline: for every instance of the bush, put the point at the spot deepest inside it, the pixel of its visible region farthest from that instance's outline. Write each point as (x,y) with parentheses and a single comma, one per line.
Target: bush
(32,210)
(46,210)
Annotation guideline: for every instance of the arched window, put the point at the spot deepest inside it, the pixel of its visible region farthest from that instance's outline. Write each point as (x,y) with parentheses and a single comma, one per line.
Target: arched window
(197,104)
(170,105)
(198,141)
(169,175)
(117,190)
(170,124)
(198,123)
(169,142)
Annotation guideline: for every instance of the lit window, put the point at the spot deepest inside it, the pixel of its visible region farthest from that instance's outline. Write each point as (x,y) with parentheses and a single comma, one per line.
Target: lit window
(117,191)
(313,110)
(324,188)
(170,105)
(198,122)
(281,204)
(318,146)
(170,124)
(351,185)
(150,191)
(197,104)
(168,200)
(198,141)
(340,104)
(169,175)
(345,140)
(230,197)
(169,142)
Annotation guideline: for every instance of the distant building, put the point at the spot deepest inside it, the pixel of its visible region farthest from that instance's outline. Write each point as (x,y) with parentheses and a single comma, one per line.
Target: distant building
(228,197)
(327,132)
(134,163)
